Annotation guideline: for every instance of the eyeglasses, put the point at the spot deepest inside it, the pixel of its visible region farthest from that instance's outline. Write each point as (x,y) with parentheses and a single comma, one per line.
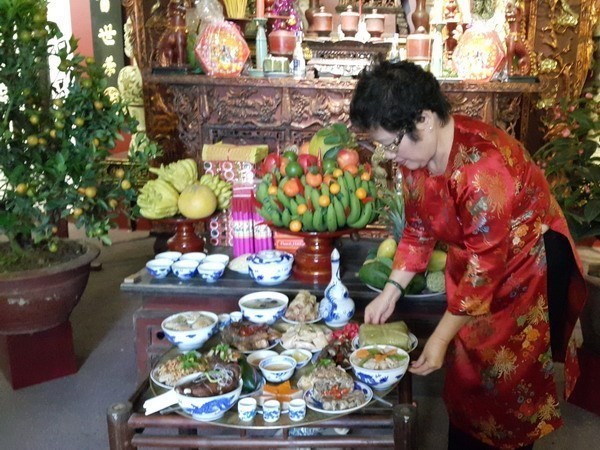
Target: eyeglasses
(393,146)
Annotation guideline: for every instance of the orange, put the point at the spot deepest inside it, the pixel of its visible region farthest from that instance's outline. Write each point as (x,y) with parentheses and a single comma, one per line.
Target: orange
(324,201)
(361,193)
(352,168)
(295,225)
(301,209)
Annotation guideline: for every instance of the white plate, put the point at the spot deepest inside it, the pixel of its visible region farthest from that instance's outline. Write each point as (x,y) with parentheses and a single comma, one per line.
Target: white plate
(413,296)
(316,405)
(412,341)
(273,345)
(295,322)
(298,348)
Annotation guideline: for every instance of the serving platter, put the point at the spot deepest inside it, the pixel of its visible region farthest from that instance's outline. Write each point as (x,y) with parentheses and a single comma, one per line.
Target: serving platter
(272,345)
(296,322)
(422,296)
(317,406)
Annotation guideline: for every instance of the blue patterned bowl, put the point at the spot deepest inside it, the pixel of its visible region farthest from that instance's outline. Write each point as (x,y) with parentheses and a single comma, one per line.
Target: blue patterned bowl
(379,379)
(159,268)
(185,331)
(264,306)
(184,269)
(277,369)
(270,267)
(207,409)
(211,271)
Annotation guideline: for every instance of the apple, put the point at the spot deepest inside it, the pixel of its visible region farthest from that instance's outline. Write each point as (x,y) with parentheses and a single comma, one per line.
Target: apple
(307,160)
(346,157)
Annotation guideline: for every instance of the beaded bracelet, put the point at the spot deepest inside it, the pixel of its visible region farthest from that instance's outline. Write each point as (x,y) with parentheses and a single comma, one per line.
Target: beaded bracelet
(397,285)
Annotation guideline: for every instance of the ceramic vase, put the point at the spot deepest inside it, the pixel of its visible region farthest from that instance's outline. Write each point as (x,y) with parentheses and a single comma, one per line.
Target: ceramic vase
(420,16)
(336,308)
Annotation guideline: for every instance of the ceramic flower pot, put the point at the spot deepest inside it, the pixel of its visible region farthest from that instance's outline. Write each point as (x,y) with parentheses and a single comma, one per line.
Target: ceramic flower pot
(38,300)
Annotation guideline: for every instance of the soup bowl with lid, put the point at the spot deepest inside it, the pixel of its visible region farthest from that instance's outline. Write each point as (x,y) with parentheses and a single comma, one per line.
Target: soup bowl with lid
(264,306)
(270,267)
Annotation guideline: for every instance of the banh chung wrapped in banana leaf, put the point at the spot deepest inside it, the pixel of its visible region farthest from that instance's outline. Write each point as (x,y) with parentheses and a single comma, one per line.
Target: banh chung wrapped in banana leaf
(393,333)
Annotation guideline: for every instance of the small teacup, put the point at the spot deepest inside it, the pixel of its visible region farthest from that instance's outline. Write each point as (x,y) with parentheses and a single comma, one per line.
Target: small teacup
(297,409)
(224,320)
(236,316)
(247,409)
(173,256)
(271,410)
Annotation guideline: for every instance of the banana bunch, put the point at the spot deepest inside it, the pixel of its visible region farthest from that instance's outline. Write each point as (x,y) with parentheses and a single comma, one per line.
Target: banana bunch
(180,174)
(345,202)
(222,189)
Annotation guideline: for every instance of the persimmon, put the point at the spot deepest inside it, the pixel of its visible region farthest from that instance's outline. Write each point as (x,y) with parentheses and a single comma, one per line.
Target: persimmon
(314,179)
(291,188)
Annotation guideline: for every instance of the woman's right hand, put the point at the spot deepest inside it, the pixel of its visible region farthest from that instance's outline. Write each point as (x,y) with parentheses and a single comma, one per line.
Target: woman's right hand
(380,309)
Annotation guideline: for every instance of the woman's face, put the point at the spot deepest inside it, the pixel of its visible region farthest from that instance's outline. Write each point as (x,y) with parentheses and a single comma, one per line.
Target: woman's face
(402,149)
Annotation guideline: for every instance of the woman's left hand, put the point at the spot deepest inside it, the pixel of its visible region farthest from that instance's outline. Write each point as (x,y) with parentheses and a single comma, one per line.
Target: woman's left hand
(432,357)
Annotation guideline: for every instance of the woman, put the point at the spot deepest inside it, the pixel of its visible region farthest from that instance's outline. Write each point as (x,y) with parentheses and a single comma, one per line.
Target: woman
(474,187)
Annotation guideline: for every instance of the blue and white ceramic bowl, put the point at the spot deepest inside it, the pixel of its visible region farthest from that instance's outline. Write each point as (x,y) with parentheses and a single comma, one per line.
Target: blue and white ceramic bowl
(264,306)
(159,268)
(211,271)
(193,256)
(270,267)
(277,369)
(301,355)
(184,269)
(383,378)
(189,330)
(173,256)
(207,409)
(217,258)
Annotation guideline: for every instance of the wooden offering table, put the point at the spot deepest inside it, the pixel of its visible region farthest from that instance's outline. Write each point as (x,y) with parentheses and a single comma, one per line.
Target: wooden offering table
(161,298)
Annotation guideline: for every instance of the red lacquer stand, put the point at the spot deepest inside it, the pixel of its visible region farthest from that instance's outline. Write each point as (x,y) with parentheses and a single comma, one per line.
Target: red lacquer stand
(185,239)
(28,359)
(312,262)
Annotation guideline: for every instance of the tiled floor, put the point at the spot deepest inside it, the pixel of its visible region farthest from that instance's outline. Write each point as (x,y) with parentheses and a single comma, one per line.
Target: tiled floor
(69,413)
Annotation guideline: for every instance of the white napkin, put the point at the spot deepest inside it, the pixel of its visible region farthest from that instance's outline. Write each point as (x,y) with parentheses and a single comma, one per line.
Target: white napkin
(159,402)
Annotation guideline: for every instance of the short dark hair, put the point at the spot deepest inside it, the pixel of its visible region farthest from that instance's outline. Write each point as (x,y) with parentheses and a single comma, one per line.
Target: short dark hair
(394,95)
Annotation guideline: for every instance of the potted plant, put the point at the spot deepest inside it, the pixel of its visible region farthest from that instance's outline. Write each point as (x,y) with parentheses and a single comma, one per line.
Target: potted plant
(55,136)
(571,161)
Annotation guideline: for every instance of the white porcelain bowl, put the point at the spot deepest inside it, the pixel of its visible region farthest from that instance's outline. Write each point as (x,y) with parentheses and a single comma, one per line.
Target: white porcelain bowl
(159,268)
(207,409)
(218,258)
(183,330)
(210,271)
(379,379)
(270,267)
(193,256)
(256,357)
(301,355)
(173,256)
(264,306)
(184,269)
(277,369)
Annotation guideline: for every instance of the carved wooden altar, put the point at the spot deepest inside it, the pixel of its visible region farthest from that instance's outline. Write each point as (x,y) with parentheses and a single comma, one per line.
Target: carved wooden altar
(286,111)
(183,111)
